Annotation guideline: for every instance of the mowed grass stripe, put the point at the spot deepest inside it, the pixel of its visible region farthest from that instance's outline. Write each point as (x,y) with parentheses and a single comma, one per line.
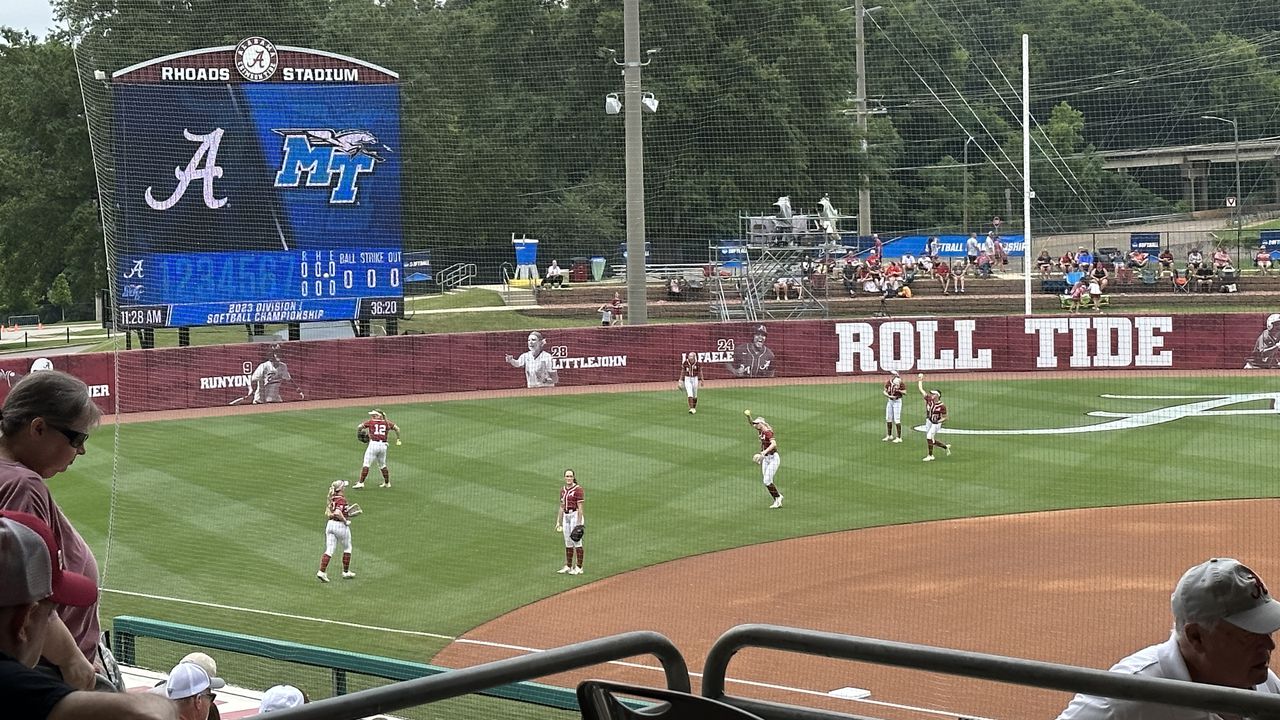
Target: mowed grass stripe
(467,532)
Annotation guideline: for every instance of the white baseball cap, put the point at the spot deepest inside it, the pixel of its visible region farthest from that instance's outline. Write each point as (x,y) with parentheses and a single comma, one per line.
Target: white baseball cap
(337,485)
(1272,319)
(206,663)
(188,680)
(759,420)
(375,412)
(281,697)
(1225,589)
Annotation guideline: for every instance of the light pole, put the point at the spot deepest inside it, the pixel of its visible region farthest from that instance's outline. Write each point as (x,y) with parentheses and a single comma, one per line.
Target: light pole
(1235,132)
(966,183)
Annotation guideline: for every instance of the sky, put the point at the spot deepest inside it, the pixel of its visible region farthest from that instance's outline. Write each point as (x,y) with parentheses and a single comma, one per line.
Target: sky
(33,15)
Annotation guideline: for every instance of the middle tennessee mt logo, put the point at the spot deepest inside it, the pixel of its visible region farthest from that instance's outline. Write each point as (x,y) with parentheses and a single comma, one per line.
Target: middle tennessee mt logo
(328,158)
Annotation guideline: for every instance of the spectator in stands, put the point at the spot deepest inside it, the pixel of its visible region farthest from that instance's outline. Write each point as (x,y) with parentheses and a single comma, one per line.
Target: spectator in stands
(1166,261)
(1221,258)
(893,271)
(932,248)
(1179,280)
(983,264)
(926,265)
(192,690)
(32,585)
(958,270)
(942,271)
(281,697)
(1263,260)
(1083,260)
(1044,263)
(1195,259)
(1204,278)
(872,279)
(848,275)
(998,254)
(46,419)
(675,288)
(783,286)
(972,248)
(1067,262)
(1223,622)
(1095,286)
(908,262)
(988,246)
(210,667)
(1100,276)
(554,276)
(806,268)
(877,247)
(1139,262)
(1077,294)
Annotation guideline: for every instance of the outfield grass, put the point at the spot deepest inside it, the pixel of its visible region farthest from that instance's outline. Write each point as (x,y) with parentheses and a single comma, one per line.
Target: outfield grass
(230,510)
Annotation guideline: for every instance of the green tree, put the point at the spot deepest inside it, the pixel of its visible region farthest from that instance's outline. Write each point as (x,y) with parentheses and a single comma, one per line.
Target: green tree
(60,294)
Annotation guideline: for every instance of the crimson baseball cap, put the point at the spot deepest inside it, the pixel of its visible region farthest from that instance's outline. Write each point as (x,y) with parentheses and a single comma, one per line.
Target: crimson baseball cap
(31,566)
(1226,589)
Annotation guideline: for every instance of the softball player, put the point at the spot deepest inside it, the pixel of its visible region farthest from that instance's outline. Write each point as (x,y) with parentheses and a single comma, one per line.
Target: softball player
(691,379)
(935,414)
(893,390)
(338,528)
(568,517)
(767,457)
(378,426)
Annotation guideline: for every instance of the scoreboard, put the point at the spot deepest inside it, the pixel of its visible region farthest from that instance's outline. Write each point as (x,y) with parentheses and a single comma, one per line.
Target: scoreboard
(255,184)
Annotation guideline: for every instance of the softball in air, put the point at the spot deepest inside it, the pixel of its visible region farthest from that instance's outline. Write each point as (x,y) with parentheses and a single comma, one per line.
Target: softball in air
(757,458)
(747,413)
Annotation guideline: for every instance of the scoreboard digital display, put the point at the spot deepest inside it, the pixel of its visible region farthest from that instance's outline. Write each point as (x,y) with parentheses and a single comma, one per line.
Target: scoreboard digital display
(256,184)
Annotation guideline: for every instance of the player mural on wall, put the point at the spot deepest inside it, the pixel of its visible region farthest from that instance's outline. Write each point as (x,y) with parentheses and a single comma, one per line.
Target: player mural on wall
(754,360)
(376,429)
(265,381)
(539,366)
(1266,350)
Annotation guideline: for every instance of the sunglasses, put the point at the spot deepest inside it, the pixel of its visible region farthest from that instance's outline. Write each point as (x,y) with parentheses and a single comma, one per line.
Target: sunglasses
(74,437)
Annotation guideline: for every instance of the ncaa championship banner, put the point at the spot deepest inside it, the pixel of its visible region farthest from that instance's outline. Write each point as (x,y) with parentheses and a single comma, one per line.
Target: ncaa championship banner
(256,184)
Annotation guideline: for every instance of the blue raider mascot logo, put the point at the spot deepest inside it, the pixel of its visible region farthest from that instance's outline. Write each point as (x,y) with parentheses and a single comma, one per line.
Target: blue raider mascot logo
(328,158)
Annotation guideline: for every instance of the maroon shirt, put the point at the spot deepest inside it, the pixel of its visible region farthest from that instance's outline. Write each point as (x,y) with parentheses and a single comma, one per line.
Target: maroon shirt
(934,409)
(893,387)
(690,366)
(570,497)
(766,437)
(23,490)
(378,429)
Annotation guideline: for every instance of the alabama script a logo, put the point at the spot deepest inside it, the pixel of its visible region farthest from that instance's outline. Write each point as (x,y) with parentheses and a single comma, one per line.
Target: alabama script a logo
(207,154)
(1200,406)
(328,158)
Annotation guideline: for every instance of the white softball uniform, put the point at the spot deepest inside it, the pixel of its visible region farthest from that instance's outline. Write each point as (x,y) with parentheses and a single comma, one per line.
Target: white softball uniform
(931,429)
(376,453)
(334,531)
(769,467)
(567,523)
(691,387)
(537,369)
(893,410)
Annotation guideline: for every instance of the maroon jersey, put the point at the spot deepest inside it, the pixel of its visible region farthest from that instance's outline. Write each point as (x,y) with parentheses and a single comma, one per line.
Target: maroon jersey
(571,496)
(337,507)
(893,387)
(690,367)
(934,409)
(766,437)
(378,429)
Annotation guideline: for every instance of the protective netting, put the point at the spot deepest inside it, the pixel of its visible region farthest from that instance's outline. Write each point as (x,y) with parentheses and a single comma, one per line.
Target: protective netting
(344,157)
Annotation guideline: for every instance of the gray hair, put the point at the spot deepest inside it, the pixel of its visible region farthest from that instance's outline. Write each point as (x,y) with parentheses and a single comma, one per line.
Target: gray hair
(59,398)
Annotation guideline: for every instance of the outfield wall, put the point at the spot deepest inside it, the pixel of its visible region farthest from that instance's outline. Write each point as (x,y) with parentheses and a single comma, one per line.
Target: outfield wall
(176,378)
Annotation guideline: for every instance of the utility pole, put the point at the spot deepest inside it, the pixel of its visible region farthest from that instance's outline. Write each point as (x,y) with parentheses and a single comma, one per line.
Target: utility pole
(1235,132)
(967,140)
(860,64)
(637,308)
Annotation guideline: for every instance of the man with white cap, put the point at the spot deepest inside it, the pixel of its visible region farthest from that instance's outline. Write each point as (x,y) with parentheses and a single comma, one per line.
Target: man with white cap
(1266,350)
(281,697)
(1223,620)
(32,585)
(191,690)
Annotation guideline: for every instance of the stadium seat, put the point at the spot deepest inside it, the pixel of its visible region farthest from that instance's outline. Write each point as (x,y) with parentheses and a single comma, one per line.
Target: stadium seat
(597,701)
(1073,277)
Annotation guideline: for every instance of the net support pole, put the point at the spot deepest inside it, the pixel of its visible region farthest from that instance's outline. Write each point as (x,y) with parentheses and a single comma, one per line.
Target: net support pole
(1026,177)
(637,311)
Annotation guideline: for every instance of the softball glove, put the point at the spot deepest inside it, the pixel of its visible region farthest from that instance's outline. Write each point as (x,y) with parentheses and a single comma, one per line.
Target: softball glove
(577,532)
(362,435)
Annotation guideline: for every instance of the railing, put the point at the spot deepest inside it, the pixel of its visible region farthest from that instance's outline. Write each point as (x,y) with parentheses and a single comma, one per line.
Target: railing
(457,274)
(966,664)
(455,683)
(659,272)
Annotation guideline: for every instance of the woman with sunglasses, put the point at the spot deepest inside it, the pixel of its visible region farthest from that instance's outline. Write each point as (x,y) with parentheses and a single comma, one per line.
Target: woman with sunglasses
(44,423)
